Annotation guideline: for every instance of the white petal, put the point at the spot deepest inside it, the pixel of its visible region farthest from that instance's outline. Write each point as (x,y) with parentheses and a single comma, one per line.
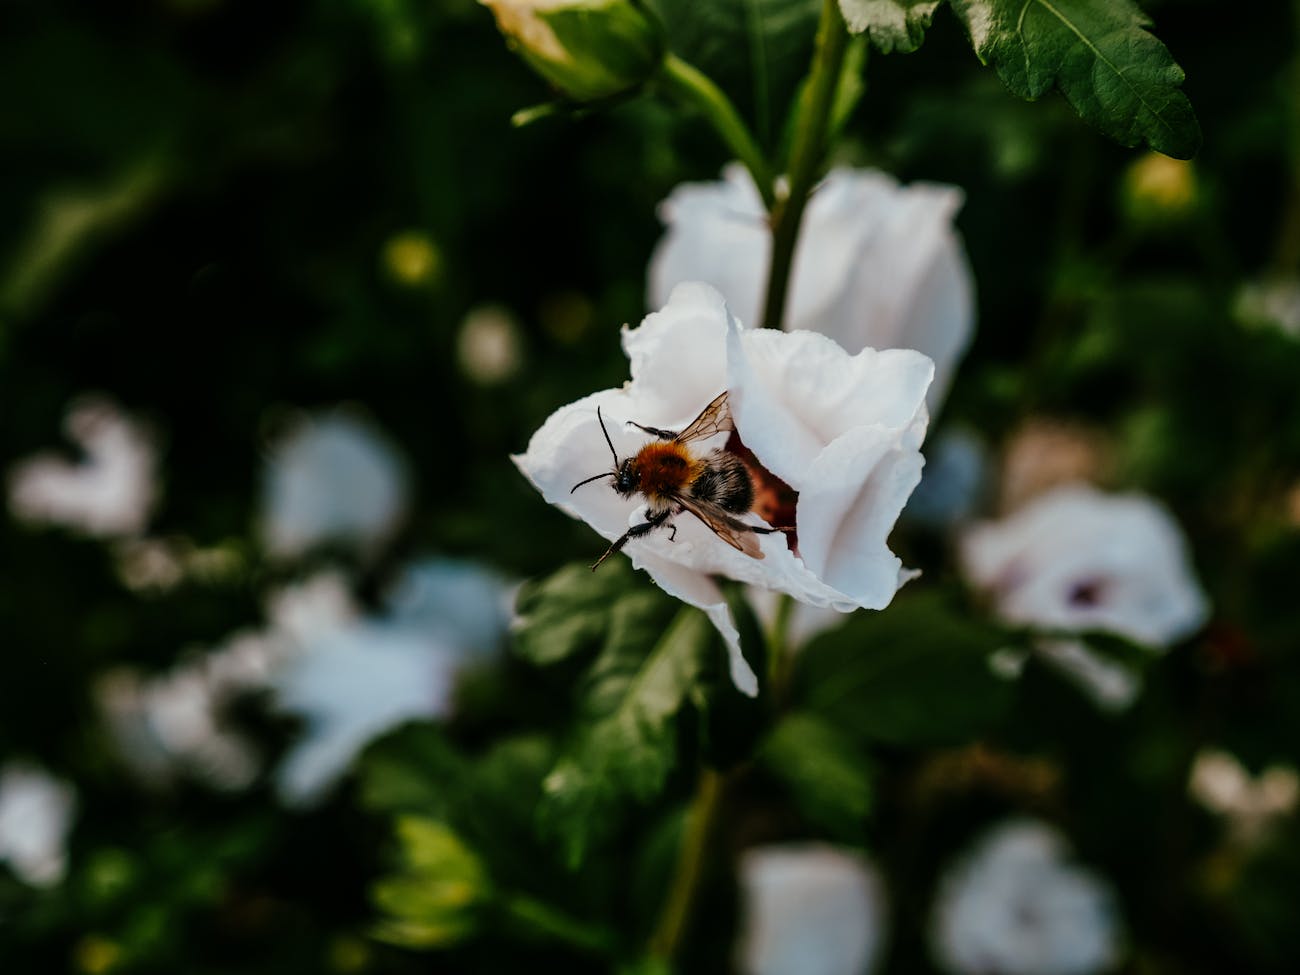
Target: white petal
(809,909)
(36,813)
(794,393)
(717,232)
(1016,906)
(332,479)
(697,589)
(1124,553)
(877,265)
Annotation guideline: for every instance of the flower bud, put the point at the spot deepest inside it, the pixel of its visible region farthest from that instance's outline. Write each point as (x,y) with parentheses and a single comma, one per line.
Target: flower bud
(588,49)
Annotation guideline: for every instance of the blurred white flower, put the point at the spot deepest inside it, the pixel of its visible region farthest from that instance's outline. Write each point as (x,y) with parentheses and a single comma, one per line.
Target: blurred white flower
(178,723)
(1014,906)
(831,440)
(357,680)
(1249,803)
(332,478)
(1271,303)
(36,812)
(878,265)
(1077,559)
(109,492)
(809,909)
(1111,685)
(489,345)
(348,675)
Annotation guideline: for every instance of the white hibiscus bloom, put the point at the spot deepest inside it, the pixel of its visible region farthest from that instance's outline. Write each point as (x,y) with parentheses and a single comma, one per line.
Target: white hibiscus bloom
(878,265)
(332,478)
(357,680)
(1077,559)
(1015,906)
(831,441)
(109,492)
(36,812)
(809,909)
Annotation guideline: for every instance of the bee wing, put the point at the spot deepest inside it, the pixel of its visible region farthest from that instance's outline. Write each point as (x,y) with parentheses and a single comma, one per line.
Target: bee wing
(714,418)
(731,530)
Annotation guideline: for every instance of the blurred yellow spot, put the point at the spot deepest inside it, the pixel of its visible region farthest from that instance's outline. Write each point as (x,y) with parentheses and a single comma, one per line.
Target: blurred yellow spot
(348,954)
(411,258)
(96,955)
(1157,187)
(566,315)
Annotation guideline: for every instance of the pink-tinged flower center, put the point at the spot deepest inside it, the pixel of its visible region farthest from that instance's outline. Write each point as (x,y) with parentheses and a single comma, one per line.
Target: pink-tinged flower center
(774,500)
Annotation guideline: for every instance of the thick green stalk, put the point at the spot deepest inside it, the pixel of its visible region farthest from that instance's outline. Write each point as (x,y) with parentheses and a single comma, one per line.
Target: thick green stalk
(807,152)
(668,935)
(696,89)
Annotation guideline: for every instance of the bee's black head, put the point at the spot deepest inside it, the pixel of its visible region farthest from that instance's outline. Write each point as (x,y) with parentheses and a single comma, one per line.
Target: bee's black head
(627,478)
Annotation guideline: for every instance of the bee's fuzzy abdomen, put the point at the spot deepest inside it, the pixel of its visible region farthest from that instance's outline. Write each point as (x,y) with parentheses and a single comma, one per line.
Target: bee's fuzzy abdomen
(725,481)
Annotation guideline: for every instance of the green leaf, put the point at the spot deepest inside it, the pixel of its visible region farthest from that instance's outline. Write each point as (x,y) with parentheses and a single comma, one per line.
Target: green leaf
(627,744)
(756,50)
(1114,72)
(915,673)
(892,25)
(827,776)
(568,613)
(432,900)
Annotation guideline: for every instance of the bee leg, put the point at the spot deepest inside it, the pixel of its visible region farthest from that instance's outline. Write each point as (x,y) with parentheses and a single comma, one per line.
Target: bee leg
(655,431)
(673,536)
(636,531)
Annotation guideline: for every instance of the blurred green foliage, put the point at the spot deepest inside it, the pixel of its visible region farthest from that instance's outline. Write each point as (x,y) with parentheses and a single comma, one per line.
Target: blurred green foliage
(219,211)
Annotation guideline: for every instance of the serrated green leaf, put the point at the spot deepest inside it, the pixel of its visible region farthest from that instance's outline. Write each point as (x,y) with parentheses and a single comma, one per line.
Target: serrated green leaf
(568,613)
(1100,55)
(828,778)
(627,744)
(892,25)
(915,673)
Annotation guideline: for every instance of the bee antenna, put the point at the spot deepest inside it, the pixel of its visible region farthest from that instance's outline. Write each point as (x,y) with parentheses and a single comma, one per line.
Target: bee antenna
(606,433)
(594,477)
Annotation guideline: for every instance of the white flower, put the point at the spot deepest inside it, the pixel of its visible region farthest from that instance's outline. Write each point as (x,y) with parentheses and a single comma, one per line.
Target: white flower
(1014,906)
(177,724)
(878,265)
(1249,803)
(842,431)
(1112,686)
(1077,559)
(332,479)
(109,492)
(36,813)
(809,909)
(1272,302)
(355,681)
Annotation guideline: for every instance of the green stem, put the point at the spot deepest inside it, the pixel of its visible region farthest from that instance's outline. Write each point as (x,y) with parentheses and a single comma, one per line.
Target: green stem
(778,646)
(546,920)
(807,151)
(696,89)
(668,934)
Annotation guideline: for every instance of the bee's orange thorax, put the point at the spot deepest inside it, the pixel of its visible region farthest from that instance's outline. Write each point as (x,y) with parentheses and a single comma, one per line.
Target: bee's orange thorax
(666,468)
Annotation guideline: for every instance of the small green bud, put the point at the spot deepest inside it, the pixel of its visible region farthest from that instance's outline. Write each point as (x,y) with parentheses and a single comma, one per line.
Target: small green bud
(588,49)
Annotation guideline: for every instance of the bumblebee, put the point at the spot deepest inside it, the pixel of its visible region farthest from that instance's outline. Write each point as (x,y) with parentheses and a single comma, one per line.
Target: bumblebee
(714,487)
